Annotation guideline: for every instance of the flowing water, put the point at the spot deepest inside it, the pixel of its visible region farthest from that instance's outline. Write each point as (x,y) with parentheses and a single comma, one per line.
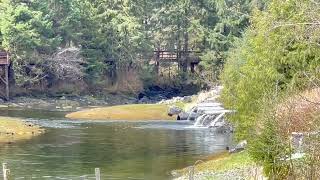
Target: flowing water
(122,150)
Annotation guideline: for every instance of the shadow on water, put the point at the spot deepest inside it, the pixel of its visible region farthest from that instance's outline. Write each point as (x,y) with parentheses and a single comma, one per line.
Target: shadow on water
(32,113)
(123,150)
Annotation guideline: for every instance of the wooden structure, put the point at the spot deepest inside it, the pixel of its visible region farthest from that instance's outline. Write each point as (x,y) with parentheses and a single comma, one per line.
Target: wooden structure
(4,76)
(190,58)
(5,171)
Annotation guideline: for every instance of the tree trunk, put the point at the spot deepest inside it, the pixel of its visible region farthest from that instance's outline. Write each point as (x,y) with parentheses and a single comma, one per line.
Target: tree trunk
(185,53)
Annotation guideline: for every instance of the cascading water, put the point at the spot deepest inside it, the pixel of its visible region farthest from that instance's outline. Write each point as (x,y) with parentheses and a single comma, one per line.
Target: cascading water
(217,119)
(199,120)
(209,115)
(207,120)
(190,113)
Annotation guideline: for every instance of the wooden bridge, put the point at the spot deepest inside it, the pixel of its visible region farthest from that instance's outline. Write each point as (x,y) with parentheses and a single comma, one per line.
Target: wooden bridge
(4,74)
(190,58)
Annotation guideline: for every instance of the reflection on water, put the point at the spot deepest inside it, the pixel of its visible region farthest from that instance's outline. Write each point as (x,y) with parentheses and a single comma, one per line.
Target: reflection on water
(123,150)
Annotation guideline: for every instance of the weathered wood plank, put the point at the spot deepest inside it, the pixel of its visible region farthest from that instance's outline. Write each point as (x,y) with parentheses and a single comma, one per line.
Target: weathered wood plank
(97,173)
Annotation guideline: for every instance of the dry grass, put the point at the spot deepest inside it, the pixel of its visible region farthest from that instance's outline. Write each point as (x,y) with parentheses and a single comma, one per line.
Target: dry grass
(222,162)
(226,162)
(300,113)
(125,112)
(12,130)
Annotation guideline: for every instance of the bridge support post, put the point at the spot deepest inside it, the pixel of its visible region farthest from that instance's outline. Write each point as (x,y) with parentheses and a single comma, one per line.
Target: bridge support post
(5,80)
(6,67)
(4,76)
(192,67)
(5,171)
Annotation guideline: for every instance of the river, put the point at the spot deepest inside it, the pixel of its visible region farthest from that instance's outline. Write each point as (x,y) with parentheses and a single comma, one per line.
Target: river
(122,150)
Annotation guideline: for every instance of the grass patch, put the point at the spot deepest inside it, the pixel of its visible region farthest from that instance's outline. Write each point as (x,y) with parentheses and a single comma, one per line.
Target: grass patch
(222,162)
(227,162)
(125,112)
(12,130)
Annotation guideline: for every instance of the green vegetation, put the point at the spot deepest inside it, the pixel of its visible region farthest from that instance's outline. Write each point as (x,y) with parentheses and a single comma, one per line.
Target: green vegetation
(268,52)
(229,162)
(267,78)
(223,162)
(279,52)
(12,130)
(125,112)
(114,37)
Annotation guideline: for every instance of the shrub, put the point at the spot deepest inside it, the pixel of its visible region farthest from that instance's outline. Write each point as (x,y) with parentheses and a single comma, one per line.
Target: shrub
(278,52)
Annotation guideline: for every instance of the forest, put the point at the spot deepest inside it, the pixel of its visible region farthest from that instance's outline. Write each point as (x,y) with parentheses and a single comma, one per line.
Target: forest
(265,53)
(109,37)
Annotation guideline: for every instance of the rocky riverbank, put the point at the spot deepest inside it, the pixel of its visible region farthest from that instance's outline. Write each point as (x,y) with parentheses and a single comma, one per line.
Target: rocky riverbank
(66,103)
(152,95)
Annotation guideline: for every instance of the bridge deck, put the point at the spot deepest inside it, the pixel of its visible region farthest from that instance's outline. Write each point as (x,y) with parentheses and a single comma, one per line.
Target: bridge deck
(175,56)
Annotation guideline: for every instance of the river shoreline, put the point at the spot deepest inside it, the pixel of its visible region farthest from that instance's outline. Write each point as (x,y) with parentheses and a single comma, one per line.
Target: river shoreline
(222,166)
(65,103)
(13,130)
(227,166)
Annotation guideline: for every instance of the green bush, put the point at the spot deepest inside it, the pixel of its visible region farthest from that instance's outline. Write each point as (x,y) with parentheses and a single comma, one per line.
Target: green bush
(269,149)
(275,55)
(278,54)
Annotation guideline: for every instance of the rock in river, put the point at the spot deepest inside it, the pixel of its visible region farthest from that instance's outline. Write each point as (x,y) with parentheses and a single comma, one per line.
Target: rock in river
(174,110)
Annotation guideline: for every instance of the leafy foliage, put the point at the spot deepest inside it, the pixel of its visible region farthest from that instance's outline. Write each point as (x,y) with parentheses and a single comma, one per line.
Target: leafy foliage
(277,53)
(116,34)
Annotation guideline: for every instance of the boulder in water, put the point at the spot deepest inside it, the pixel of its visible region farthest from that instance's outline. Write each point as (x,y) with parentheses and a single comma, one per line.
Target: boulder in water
(183,116)
(174,110)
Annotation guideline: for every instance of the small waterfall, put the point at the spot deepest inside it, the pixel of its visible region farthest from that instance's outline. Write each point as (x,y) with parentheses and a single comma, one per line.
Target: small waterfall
(190,113)
(206,120)
(209,115)
(217,119)
(199,120)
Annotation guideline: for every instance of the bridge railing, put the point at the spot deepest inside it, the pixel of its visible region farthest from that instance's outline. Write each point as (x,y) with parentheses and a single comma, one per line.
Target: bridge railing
(174,55)
(4,58)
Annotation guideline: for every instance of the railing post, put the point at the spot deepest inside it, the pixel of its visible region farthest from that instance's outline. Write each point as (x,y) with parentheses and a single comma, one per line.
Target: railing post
(6,70)
(5,171)
(97,173)
(191,173)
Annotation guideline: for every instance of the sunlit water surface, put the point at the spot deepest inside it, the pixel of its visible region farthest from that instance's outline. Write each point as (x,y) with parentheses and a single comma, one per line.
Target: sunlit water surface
(122,150)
